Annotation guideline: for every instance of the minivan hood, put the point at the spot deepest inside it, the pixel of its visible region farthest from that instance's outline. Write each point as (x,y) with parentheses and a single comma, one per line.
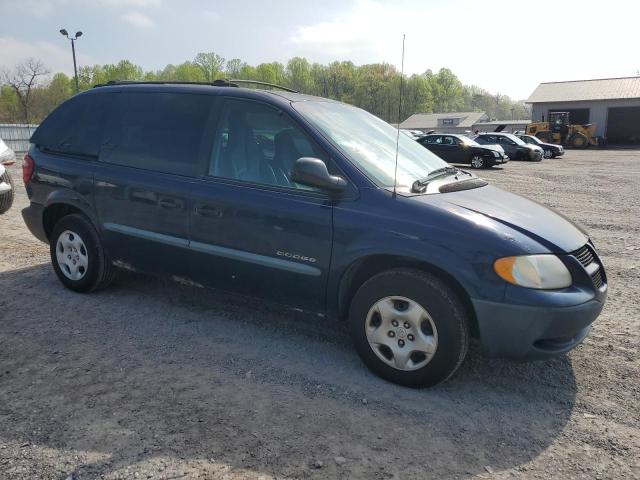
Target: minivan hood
(530,218)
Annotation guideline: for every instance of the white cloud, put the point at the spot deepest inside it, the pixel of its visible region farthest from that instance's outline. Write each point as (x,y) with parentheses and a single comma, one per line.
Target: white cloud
(128,3)
(502,48)
(44,8)
(138,20)
(56,57)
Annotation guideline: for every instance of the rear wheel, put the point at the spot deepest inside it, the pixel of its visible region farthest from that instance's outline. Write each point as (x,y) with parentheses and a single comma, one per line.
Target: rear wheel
(478,162)
(545,137)
(409,327)
(78,256)
(6,199)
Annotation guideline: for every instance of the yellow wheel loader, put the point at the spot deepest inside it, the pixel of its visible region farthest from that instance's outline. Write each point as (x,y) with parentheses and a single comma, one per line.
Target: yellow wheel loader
(558,129)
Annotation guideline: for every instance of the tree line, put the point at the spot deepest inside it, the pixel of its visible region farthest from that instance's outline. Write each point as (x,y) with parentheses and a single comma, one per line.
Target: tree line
(29,92)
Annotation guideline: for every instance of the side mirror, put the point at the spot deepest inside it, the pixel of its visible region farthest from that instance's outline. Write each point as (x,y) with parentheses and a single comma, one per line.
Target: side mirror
(313,173)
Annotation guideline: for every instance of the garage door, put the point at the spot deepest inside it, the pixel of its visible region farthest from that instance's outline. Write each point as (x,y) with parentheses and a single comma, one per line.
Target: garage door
(623,125)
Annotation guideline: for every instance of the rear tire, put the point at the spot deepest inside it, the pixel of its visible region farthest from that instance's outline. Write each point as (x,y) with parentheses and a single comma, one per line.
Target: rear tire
(78,257)
(6,199)
(430,337)
(545,137)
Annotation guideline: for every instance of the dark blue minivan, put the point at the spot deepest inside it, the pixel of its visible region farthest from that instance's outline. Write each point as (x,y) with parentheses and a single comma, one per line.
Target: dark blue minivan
(306,201)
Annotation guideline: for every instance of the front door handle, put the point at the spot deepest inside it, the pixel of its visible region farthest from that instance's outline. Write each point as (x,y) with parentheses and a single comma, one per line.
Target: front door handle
(209,211)
(168,203)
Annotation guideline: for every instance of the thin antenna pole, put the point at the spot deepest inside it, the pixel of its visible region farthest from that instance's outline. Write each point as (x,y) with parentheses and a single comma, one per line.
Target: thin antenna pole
(395,173)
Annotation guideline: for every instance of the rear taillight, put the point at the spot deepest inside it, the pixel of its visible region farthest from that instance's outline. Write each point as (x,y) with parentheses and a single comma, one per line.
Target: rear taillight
(27,169)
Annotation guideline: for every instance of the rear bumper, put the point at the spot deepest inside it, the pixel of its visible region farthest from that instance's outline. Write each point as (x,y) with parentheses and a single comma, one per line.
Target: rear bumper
(527,332)
(33,219)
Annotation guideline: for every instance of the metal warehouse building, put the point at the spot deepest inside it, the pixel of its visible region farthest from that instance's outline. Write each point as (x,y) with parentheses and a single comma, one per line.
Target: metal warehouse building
(612,104)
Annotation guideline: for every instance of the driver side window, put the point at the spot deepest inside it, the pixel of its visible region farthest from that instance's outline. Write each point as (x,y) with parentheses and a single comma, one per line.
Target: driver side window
(259,144)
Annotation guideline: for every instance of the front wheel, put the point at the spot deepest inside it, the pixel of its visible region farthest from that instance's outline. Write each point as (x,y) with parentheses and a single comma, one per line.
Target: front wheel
(77,255)
(478,162)
(548,154)
(409,327)
(579,141)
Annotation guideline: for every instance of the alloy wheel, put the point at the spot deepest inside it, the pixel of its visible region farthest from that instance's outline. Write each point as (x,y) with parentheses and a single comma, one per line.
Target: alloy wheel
(477,161)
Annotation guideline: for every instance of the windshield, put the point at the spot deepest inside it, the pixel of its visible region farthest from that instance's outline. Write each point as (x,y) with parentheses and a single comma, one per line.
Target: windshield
(514,138)
(371,143)
(533,139)
(467,140)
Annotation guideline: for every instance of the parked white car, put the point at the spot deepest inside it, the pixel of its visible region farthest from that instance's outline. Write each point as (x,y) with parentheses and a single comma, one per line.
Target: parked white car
(7,157)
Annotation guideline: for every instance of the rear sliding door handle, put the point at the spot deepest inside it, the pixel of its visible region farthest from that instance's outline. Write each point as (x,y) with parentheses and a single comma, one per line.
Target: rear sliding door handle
(209,211)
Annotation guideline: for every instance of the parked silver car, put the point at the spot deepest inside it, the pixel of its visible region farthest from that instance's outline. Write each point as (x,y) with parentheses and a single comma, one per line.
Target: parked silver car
(7,157)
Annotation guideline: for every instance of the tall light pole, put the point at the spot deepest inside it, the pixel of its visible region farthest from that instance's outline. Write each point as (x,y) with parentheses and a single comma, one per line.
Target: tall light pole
(73,50)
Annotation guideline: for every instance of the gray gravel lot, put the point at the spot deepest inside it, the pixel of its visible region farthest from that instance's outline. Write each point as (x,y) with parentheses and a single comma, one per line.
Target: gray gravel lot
(151,379)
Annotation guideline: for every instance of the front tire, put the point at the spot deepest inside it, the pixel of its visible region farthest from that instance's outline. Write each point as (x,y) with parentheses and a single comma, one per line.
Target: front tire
(409,327)
(6,199)
(77,255)
(579,141)
(478,162)
(548,154)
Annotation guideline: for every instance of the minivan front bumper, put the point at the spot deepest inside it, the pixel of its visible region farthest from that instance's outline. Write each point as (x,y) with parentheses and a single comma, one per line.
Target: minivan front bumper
(528,332)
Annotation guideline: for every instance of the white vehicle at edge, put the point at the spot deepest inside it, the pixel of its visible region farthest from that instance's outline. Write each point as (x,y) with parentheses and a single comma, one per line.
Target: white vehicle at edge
(7,157)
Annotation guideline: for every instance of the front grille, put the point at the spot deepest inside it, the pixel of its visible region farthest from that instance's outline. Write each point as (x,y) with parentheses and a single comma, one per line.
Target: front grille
(597,278)
(587,256)
(584,255)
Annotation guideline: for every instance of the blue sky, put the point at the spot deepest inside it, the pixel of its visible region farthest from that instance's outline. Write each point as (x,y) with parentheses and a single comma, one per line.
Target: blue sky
(499,45)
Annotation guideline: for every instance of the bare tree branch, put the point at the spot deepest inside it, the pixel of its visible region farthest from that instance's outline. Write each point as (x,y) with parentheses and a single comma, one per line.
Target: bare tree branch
(23,79)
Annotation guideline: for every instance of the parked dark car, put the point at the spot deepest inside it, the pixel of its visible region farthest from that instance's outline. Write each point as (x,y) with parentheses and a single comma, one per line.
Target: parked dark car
(298,199)
(515,148)
(461,149)
(550,150)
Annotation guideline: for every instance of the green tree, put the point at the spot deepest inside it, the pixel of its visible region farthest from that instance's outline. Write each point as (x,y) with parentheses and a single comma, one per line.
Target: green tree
(210,64)
(299,75)
(374,87)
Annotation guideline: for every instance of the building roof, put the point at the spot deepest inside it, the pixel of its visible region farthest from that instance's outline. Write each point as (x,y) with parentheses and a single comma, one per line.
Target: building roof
(507,122)
(430,120)
(598,89)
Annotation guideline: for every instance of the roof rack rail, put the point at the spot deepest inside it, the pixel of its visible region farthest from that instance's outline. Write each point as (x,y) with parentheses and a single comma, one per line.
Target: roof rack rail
(267,84)
(216,83)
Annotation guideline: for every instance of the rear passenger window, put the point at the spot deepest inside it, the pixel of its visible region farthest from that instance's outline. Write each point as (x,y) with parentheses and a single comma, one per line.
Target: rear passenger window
(157,131)
(260,144)
(75,127)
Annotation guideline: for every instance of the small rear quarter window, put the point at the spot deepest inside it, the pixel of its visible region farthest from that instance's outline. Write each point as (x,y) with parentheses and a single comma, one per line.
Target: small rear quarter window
(75,127)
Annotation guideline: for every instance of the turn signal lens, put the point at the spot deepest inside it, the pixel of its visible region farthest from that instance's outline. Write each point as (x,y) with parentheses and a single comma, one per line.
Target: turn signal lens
(545,272)
(504,268)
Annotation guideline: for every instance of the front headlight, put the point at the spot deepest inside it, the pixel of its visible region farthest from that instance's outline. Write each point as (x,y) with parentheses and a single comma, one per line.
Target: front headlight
(495,154)
(545,272)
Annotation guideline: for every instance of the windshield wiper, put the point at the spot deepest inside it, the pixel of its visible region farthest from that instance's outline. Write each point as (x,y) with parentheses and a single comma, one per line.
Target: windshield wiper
(419,186)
